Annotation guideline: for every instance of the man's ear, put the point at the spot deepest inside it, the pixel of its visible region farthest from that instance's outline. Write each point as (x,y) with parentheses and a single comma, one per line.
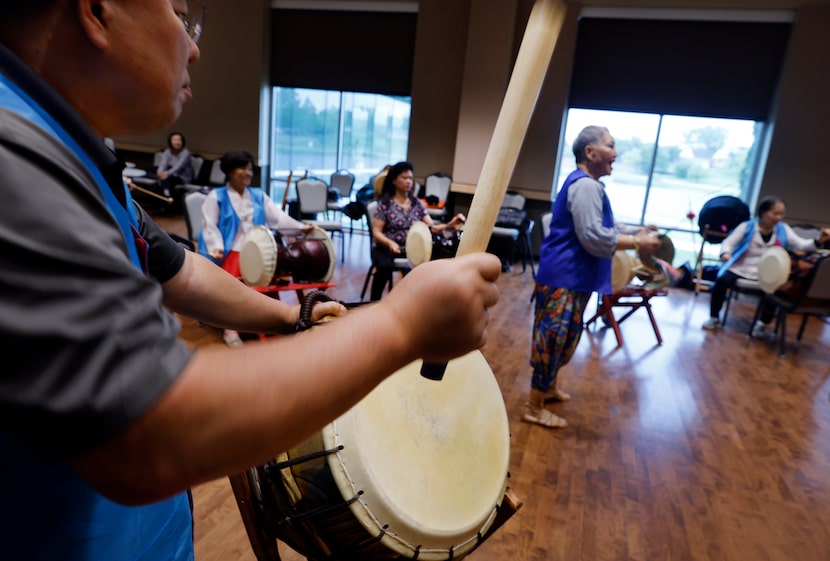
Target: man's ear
(94,15)
(589,153)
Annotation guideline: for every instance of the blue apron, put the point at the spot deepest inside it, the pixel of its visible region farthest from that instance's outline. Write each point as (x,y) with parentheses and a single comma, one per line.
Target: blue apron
(49,512)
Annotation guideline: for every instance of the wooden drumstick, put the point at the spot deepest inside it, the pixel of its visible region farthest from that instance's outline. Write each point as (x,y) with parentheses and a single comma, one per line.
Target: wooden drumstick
(532,62)
(287,189)
(168,200)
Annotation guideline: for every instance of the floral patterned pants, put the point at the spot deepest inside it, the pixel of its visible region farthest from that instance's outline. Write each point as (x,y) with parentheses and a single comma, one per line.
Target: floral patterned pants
(557,327)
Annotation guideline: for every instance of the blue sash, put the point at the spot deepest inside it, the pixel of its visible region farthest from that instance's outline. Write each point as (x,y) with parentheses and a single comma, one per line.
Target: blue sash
(228,223)
(15,99)
(49,512)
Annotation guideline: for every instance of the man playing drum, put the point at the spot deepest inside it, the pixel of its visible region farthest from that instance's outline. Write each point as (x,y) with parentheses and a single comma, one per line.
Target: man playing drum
(108,418)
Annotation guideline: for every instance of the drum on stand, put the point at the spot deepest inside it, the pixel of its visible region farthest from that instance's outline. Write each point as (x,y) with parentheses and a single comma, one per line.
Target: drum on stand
(625,266)
(665,252)
(416,470)
(422,245)
(623,269)
(308,258)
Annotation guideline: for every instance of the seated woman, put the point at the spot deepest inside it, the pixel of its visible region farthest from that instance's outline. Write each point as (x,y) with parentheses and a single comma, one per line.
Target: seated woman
(398,208)
(742,249)
(229,212)
(175,166)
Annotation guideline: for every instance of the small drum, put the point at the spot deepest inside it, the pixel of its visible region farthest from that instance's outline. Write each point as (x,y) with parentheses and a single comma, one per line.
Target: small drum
(774,268)
(416,470)
(784,272)
(665,252)
(422,245)
(309,258)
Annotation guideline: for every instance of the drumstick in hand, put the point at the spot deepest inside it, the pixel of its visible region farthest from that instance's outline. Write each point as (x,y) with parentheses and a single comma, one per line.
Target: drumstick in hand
(538,42)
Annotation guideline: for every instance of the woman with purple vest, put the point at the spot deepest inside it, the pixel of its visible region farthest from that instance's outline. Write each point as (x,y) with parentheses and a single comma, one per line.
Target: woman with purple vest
(742,249)
(574,261)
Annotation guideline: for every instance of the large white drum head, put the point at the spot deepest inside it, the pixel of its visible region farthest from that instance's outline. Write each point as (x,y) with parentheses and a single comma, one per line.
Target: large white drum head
(258,256)
(418,244)
(318,233)
(430,457)
(773,269)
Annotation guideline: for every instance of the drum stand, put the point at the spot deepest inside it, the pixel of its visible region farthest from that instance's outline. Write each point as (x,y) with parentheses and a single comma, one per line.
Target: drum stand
(633,297)
(264,541)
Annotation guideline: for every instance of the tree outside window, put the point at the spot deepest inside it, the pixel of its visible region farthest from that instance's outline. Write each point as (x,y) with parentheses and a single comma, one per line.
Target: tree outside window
(321,131)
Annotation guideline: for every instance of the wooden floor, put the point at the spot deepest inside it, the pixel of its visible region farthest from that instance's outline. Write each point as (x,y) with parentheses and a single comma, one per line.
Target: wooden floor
(707,447)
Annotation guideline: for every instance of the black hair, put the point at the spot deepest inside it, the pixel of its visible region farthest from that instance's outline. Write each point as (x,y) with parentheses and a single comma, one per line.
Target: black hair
(174,133)
(766,204)
(389,181)
(587,136)
(13,9)
(235,159)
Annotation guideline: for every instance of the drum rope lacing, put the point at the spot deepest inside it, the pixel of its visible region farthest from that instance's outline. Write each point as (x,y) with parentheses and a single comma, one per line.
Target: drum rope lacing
(307,305)
(304,458)
(322,511)
(275,466)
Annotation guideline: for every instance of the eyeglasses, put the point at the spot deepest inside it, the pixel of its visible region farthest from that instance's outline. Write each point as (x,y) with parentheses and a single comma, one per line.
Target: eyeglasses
(194,19)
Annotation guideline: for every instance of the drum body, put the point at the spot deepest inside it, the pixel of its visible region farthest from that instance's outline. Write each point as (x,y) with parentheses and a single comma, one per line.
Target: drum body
(623,269)
(417,469)
(774,268)
(422,245)
(664,252)
(305,258)
(625,266)
(784,273)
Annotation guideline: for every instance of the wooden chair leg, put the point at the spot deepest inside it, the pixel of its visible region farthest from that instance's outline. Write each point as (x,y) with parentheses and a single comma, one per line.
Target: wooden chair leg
(607,311)
(509,505)
(594,317)
(699,265)
(263,544)
(653,322)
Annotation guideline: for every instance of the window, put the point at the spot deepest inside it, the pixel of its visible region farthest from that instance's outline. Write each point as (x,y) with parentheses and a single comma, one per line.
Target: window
(687,116)
(668,166)
(322,131)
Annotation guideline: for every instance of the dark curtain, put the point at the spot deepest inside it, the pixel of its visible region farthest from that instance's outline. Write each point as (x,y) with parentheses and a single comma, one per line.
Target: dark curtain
(694,68)
(344,51)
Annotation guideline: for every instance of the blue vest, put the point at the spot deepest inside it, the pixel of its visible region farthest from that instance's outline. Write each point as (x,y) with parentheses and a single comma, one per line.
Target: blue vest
(48,511)
(229,221)
(740,249)
(563,262)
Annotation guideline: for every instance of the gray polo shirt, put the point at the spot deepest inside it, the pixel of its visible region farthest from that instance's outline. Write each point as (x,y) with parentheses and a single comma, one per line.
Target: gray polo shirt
(89,346)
